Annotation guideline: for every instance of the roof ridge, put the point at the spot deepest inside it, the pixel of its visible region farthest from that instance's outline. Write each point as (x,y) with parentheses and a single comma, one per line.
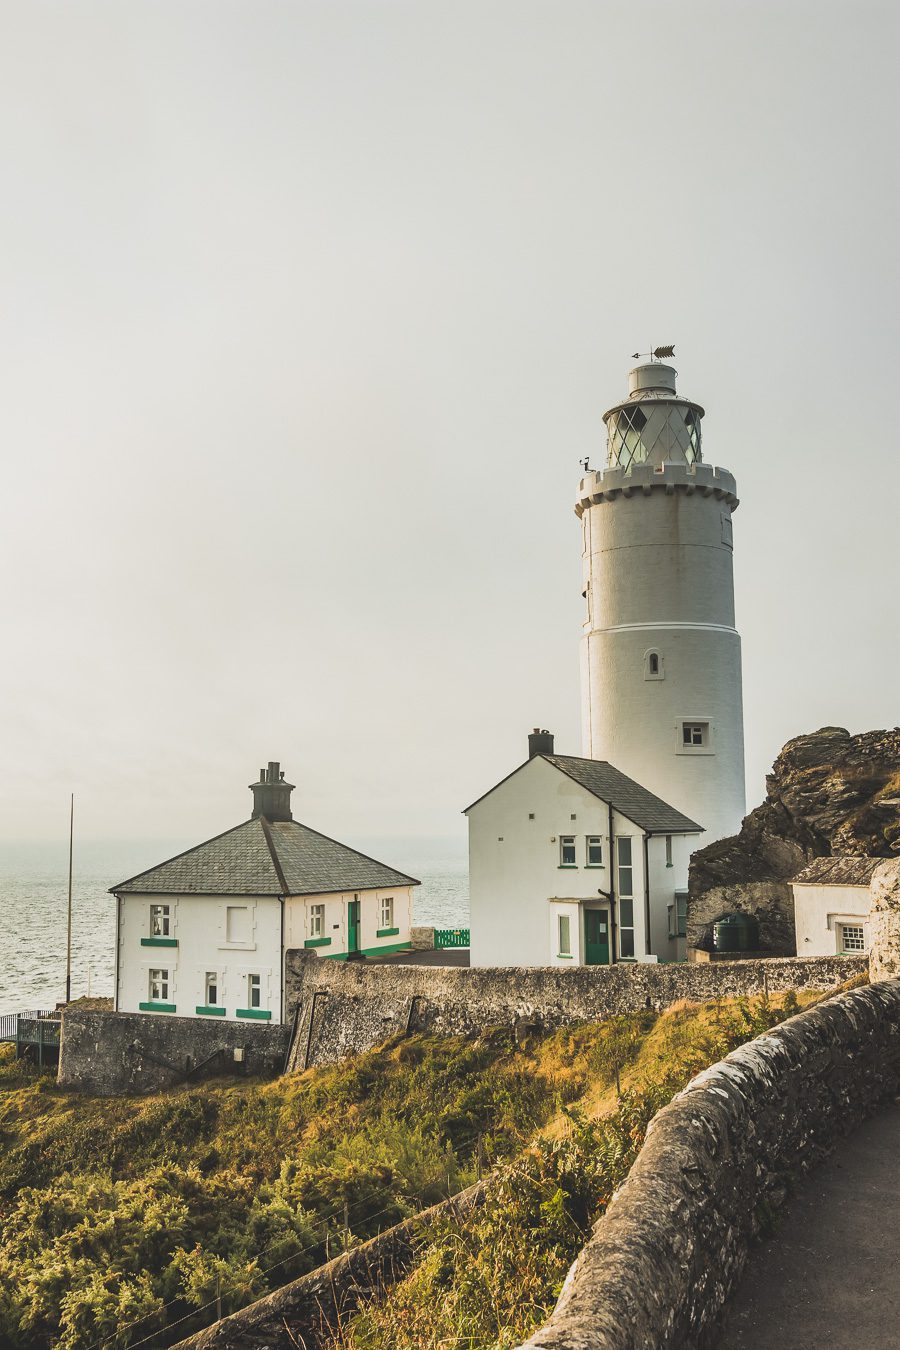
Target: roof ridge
(177,856)
(349,848)
(270,844)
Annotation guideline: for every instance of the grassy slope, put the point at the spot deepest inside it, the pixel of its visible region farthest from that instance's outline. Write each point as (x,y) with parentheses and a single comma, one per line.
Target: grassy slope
(110,1210)
(494,1280)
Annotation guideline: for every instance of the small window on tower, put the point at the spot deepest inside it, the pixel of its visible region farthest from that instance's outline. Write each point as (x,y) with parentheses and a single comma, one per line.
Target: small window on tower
(694,737)
(653,666)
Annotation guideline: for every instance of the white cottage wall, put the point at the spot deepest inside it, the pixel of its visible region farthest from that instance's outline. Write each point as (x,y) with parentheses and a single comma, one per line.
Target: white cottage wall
(198,928)
(298,928)
(818,912)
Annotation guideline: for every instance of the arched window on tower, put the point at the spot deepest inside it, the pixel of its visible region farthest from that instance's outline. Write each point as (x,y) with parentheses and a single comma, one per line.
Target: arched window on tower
(654,666)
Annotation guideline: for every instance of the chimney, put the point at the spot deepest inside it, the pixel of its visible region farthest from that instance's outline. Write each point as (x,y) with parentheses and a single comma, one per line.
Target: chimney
(540,743)
(272,795)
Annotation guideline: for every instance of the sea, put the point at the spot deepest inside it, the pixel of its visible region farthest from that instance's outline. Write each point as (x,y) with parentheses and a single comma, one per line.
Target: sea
(33,906)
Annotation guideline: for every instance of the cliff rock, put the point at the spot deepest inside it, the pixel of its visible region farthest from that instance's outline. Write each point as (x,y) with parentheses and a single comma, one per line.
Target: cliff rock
(828,793)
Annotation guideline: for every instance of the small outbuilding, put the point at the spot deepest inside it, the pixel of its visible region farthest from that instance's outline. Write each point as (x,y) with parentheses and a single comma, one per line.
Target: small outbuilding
(831,906)
(571,862)
(205,933)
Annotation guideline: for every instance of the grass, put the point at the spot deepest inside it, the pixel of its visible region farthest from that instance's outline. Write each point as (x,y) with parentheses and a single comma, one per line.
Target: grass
(119,1218)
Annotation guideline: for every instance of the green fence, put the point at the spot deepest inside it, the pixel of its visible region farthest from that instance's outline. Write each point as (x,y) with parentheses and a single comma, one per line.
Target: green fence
(451,937)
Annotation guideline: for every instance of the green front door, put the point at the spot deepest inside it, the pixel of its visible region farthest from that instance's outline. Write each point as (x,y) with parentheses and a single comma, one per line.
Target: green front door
(596,937)
(353,926)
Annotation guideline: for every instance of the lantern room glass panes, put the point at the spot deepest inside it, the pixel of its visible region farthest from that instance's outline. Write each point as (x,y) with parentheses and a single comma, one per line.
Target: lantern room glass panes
(654,431)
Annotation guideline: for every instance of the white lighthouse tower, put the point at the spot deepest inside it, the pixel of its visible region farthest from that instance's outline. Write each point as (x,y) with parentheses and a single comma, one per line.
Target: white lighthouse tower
(661,657)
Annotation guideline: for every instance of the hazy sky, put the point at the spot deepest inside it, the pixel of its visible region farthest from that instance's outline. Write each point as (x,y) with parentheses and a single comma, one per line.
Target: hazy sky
(307,313)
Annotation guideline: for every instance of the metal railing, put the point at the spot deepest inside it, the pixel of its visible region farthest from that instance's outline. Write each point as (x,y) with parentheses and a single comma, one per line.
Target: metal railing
(451,937)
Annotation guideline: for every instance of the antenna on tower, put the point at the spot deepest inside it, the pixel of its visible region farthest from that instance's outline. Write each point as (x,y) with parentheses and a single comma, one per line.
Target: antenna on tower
(657,354)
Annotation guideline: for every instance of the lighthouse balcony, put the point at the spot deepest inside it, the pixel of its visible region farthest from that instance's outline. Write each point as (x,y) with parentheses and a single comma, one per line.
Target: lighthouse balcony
(607,484)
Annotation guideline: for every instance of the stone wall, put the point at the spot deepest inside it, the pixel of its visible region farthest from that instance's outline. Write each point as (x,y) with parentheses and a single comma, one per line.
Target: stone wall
(109,1052)
(884,921)
(717,1161)
(353,1006)
(309,1310)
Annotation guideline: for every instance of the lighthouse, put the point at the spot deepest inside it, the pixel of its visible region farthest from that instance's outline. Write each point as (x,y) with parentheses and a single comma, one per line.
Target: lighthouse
(661,656)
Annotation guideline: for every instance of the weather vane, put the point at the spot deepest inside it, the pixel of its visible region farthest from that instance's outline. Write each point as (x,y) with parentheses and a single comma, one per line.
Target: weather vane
(658,353)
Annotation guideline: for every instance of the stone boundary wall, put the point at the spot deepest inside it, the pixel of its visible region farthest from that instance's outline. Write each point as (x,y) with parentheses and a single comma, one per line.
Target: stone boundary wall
(110,1052)
(353,1006)
(308,1310)
(716,1162)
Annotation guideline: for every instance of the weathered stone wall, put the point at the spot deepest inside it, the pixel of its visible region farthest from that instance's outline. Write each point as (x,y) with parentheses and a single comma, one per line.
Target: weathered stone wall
(309,1310)
(354,1006)
(109,1052)
(884,921)
(716,1162)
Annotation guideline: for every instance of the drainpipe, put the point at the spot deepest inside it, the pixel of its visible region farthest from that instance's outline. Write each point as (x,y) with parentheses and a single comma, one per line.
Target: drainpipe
(118,929)
(613,958)
(281,960)
(647,893)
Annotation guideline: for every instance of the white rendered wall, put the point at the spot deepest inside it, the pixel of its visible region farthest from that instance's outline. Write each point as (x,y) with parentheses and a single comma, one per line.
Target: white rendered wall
(514,868)
(197,923)
(297,927)
(664,881)
(818,912)
(658,576)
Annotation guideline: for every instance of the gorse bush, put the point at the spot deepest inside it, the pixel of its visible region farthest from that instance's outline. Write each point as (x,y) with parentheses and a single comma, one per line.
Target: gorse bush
(128,1220)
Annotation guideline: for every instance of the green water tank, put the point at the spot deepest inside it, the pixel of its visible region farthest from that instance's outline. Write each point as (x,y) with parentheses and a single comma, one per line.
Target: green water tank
(736,933)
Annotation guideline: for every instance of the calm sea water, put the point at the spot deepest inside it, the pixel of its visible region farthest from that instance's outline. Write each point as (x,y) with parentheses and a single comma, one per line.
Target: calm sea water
(33,884)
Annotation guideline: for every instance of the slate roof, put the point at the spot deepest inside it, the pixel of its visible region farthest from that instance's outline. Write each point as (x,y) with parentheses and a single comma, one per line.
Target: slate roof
(608,783)
(261,857)
(840,871)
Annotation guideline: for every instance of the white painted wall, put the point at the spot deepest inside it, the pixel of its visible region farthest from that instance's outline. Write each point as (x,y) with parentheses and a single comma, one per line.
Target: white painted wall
(298,930)
(515,872)
(658,577)
(819,911)
(198,925)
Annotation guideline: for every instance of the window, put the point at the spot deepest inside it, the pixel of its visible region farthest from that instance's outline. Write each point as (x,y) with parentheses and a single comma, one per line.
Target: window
(625,877)
(669,862)
(727,529)
(387,912)
(316,920)
(853,938)
(678,916)
(654,666)
(212,988)
(626,870)
(237,924)
(626,927)
(159,986)
(567,850)
(594,850)
(564,925)
(254,991)
(692,733)
(159,920)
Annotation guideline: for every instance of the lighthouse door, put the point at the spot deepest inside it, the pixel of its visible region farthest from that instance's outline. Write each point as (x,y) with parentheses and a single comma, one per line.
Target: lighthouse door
(596,937)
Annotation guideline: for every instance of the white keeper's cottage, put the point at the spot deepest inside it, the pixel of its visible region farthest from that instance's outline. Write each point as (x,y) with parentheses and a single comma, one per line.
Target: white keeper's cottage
(205,934)
(571,862)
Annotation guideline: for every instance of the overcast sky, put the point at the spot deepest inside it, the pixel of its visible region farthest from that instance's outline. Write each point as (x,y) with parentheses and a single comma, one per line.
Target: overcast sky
(308,312)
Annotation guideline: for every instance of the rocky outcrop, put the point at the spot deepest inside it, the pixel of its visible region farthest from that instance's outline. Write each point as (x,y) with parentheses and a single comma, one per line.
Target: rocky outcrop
(828,792)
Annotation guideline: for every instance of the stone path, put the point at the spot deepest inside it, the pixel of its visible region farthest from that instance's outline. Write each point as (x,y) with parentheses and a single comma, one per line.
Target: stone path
(830,1275)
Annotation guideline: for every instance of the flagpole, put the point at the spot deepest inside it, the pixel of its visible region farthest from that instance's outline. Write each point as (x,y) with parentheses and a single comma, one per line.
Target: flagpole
(69,923)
